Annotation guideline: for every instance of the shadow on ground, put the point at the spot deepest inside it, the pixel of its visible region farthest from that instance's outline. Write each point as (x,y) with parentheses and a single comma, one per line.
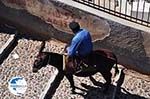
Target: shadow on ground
(8,29)
(91,92)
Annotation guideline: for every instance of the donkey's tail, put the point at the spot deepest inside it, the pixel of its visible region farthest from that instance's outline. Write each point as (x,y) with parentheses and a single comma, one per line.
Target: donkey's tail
(116,66)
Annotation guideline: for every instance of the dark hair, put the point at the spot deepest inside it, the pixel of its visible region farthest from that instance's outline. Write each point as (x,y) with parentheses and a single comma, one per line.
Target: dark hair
(74,26)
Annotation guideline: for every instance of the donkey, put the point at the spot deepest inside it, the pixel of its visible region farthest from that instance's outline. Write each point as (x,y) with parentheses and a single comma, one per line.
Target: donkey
(100,60)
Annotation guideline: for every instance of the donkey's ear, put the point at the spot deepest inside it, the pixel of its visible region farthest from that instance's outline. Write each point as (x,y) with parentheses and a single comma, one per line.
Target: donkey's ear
(42,46)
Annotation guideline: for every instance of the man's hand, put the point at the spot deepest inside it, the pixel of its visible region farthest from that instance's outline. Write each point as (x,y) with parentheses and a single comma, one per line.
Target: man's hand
(65,49)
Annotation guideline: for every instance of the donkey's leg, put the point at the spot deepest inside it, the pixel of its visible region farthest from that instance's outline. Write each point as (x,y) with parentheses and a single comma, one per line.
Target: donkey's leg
(107,76)
(70,78)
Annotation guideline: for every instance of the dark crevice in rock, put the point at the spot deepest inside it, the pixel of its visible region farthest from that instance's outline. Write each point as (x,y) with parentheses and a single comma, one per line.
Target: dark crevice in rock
(30,26)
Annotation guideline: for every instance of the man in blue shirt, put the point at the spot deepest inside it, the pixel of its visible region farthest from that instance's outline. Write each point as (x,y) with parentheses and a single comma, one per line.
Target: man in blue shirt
(81,44)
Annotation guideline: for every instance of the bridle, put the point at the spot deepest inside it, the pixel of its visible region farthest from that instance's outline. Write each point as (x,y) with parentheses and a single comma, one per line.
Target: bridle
(47,62)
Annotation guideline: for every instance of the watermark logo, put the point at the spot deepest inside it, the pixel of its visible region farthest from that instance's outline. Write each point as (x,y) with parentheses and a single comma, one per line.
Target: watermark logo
(17,85)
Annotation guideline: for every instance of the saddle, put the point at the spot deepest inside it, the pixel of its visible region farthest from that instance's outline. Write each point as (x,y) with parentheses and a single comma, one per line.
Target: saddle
(77,64)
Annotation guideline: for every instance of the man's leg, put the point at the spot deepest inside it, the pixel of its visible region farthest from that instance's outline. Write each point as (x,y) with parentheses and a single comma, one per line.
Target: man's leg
(70,66)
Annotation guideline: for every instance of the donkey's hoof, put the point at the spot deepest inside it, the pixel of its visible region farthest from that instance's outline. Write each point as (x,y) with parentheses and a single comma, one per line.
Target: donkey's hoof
(34,70)
(73,91)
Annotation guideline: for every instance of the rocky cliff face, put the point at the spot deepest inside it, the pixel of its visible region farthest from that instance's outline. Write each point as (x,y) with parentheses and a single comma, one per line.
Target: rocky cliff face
(59,15)
(43,19)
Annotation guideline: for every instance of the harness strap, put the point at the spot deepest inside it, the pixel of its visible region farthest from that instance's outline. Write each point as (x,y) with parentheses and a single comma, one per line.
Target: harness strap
(64,62)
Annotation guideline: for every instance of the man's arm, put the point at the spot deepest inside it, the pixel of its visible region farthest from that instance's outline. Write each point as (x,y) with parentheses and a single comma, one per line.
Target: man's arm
(74,46)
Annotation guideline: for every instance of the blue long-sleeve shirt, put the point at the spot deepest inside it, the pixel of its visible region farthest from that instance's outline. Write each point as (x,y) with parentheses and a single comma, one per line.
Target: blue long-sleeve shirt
(81,44)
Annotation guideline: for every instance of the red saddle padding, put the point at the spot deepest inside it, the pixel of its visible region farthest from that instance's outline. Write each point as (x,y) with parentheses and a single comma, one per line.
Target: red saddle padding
(97,55)
(105,53)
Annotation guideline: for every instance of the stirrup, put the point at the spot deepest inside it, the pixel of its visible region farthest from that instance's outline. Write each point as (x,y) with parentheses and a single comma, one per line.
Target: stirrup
(78,69)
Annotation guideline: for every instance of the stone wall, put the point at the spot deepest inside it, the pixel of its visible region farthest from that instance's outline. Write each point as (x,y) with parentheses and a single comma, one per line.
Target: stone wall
(45,19)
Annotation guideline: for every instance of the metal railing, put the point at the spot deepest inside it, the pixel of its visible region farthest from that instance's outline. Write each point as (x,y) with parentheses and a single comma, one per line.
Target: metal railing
(137,11)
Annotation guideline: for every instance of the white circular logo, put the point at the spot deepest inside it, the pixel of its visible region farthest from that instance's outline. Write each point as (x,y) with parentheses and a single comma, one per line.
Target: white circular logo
(17,85)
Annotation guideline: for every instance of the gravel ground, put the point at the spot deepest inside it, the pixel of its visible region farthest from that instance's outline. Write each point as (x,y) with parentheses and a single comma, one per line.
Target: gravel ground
(3,38)
(27,50)
(135,85)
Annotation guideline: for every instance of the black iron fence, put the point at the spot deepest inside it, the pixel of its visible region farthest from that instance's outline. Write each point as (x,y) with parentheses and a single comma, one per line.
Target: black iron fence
(137,11)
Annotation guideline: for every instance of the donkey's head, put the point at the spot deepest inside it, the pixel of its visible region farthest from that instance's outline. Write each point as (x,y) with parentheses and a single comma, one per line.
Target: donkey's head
(44,58)
(40,61)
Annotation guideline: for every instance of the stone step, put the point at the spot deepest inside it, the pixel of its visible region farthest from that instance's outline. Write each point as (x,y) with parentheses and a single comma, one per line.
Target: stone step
(52,85)
(8,47)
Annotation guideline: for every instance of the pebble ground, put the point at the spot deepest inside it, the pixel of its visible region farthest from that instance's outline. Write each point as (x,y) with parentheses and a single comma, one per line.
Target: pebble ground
(135,85)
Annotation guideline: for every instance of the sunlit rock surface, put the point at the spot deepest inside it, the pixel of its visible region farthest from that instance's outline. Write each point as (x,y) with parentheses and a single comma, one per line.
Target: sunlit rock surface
(59,15)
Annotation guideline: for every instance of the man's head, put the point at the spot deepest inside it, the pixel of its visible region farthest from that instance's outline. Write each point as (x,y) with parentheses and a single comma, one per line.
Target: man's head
(74,26)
